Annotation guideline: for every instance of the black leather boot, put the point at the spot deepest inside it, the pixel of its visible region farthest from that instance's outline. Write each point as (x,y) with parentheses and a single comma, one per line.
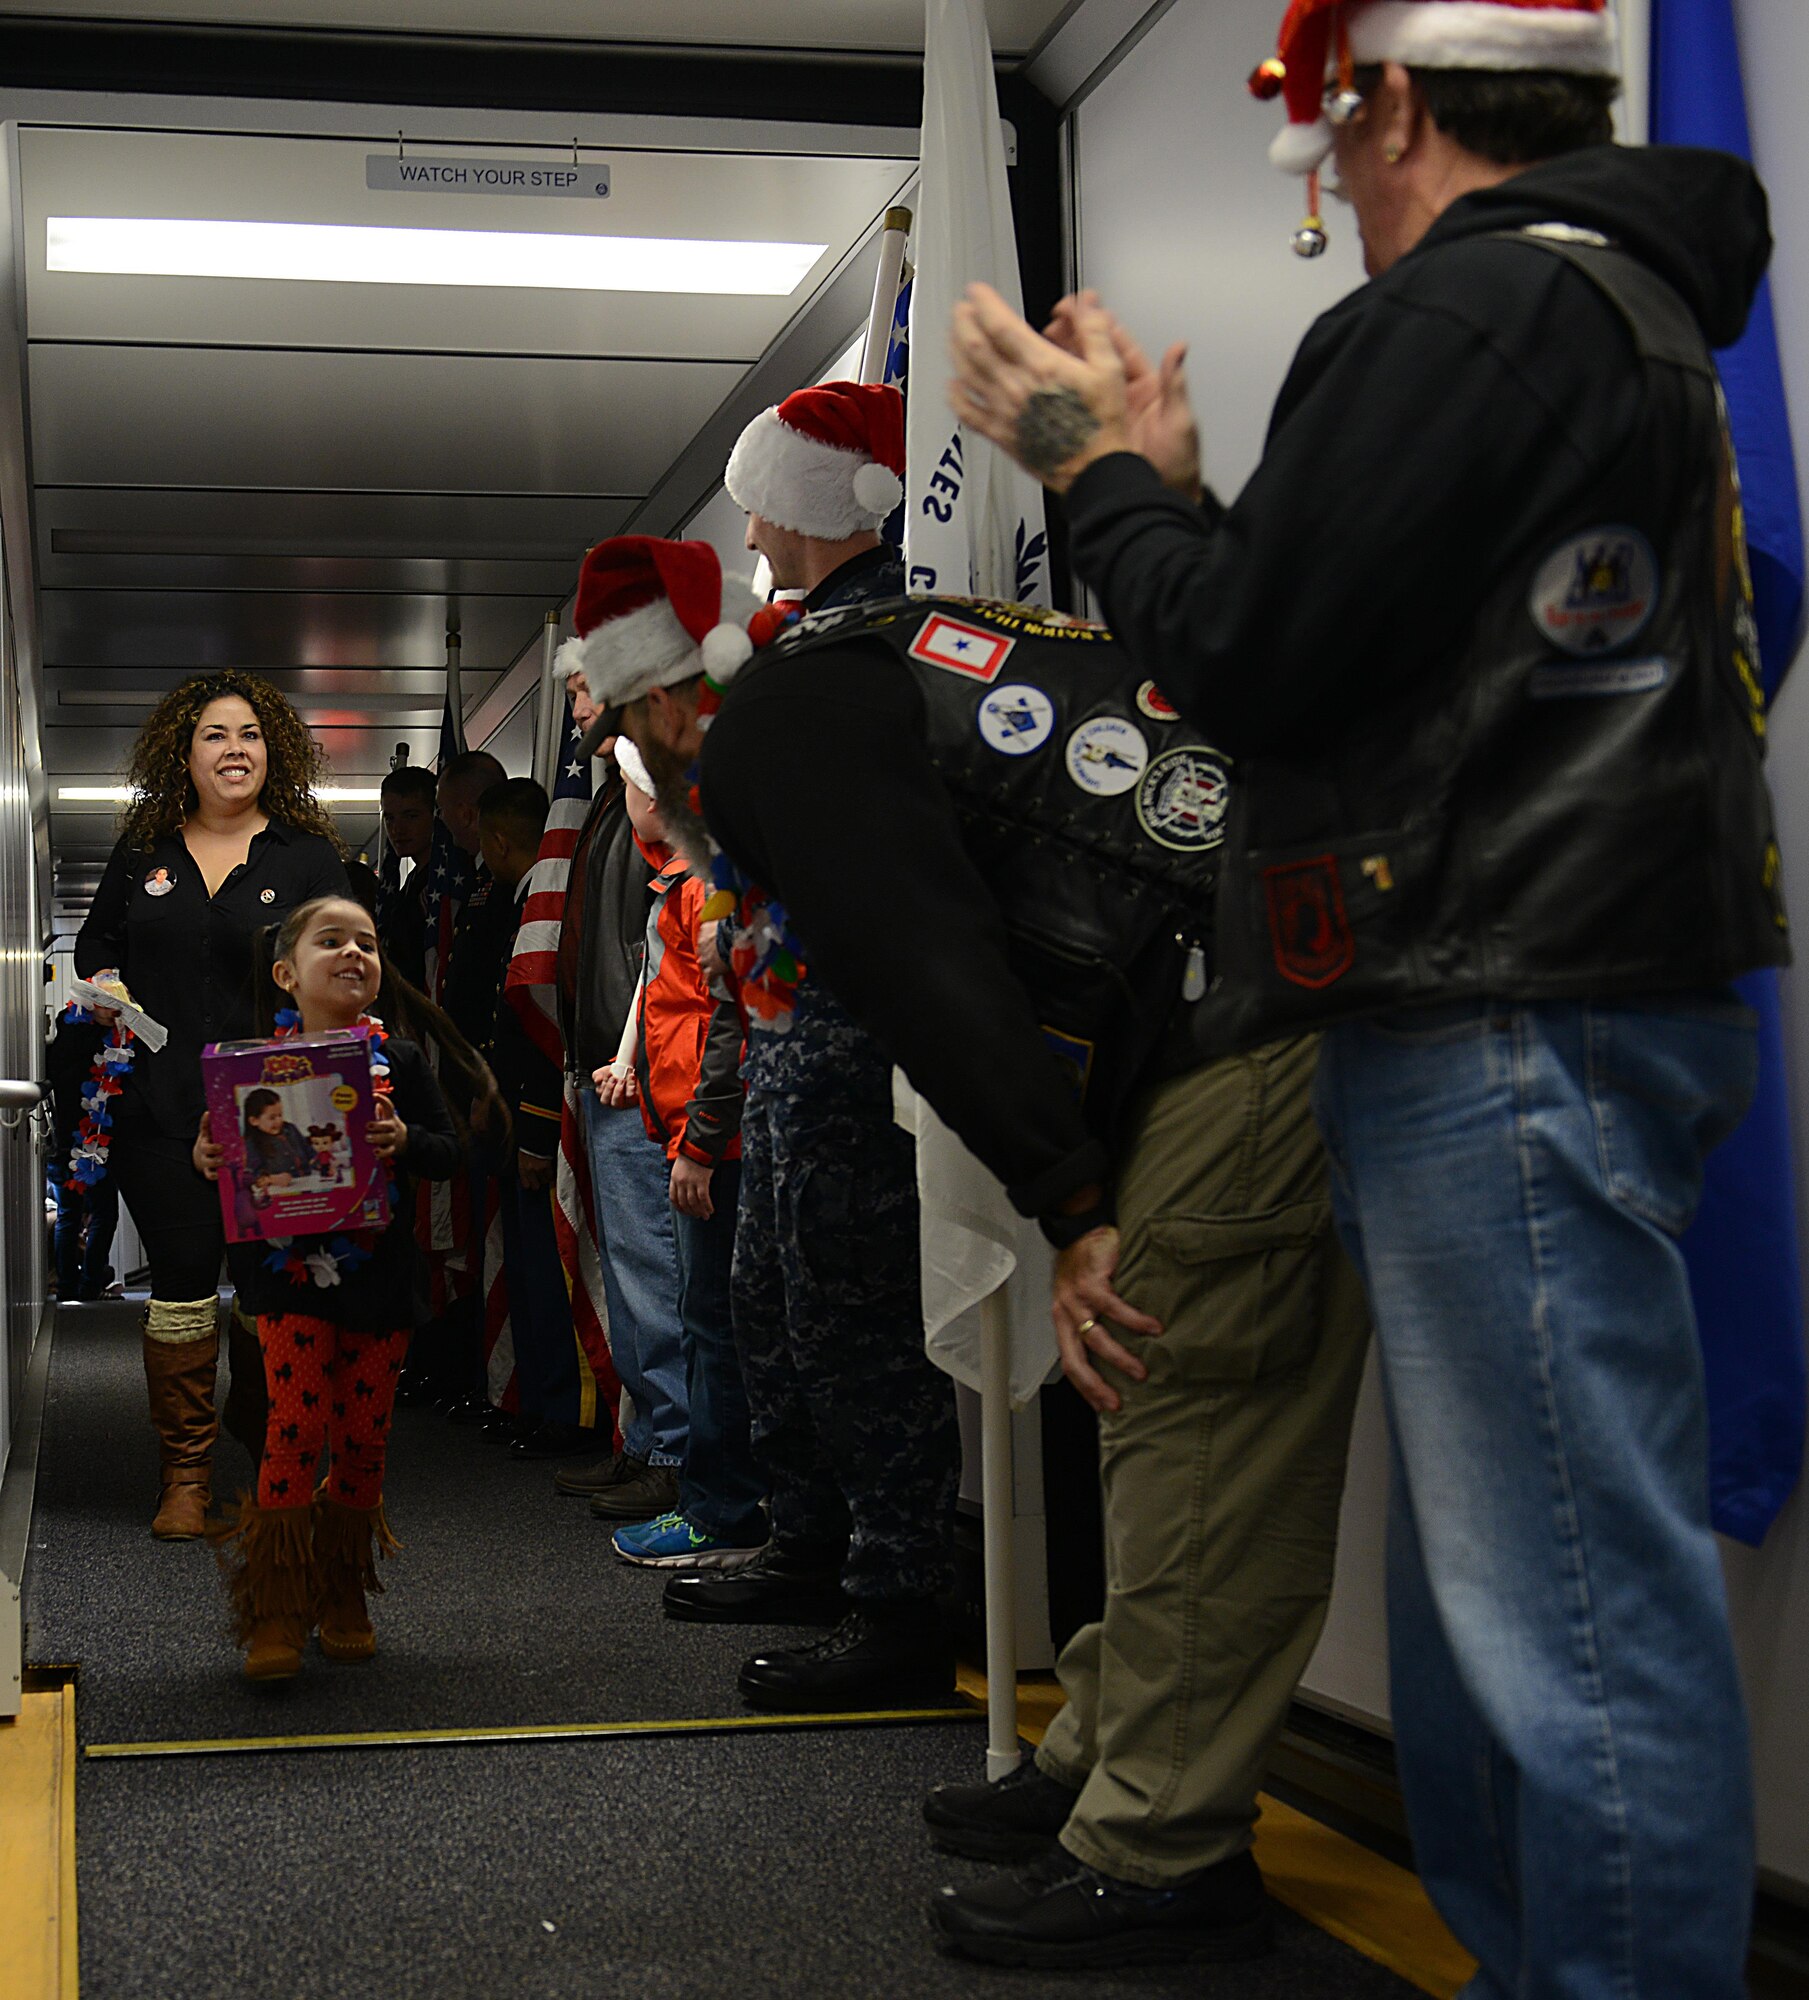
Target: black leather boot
(1059,1912)
(1016,1819)
(879,1656)
(787,1586)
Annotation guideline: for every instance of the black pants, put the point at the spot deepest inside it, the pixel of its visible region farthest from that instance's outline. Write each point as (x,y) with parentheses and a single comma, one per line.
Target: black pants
(177,1213)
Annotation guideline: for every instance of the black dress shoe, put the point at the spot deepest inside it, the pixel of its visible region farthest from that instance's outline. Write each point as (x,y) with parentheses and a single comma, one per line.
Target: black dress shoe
(551,1440)
(413,1389)
(468,1410)
(786,1586)
(879,1656)
(1059,1912)
(1015,1819)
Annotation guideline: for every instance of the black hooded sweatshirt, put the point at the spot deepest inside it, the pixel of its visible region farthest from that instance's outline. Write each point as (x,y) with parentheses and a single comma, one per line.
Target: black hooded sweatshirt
(1426,422)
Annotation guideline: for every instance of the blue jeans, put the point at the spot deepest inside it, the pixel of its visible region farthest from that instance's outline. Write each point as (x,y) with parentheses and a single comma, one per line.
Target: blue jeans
(720,1488)
(629,1178)
(84,1267)
(1511,1182)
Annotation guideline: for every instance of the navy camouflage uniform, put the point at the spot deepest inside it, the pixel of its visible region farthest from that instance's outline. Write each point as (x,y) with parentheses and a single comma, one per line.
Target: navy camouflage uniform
(852,1424)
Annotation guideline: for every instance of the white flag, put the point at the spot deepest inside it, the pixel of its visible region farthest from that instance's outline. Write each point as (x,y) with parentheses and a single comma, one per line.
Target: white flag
(973,528)
(973,521)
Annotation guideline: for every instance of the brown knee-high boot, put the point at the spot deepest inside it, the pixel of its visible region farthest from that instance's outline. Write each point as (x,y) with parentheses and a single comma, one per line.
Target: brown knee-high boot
(181,1352)
(267,1554)
(347,1543)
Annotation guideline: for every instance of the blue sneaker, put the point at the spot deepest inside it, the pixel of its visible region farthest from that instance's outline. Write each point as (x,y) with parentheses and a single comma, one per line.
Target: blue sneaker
(670,1542)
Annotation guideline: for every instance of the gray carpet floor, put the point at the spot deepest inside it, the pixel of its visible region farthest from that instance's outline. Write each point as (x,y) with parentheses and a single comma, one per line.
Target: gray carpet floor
(506,1605)
(668,1869)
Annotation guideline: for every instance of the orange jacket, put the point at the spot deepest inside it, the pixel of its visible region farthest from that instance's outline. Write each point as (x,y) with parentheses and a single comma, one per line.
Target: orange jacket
(688,1059)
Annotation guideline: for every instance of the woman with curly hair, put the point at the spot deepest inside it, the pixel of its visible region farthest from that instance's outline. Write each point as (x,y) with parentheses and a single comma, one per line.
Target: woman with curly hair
(223,837)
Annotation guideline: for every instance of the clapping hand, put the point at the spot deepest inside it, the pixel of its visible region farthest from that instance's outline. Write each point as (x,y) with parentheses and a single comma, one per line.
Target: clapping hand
(1159,417)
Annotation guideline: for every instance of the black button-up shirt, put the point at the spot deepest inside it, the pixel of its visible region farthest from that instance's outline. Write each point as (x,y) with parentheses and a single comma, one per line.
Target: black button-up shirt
(190,958)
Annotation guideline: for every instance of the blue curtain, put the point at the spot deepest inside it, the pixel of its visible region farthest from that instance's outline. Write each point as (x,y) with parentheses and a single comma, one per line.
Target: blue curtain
(1742,1252)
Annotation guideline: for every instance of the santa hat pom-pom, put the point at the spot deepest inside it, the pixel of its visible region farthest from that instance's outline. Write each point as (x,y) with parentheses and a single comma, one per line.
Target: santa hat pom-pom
(569,659)
(1298,149)
(877,488)
(726,650)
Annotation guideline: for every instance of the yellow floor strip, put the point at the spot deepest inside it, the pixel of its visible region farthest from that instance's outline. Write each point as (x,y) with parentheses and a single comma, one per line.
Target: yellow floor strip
(1366,1902)
(37,1849)
(1334,1882)
(529,1732)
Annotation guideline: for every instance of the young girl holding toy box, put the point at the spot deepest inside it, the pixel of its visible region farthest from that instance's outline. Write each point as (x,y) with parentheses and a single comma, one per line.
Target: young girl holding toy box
(334,1315)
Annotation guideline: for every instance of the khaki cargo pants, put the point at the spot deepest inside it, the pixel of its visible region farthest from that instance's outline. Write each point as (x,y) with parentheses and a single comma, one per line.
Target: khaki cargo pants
(1222,1473)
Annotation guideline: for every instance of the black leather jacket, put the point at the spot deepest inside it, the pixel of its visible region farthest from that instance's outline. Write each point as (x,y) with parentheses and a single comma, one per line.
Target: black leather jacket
(1470,628)
(997,848)
(1577,808)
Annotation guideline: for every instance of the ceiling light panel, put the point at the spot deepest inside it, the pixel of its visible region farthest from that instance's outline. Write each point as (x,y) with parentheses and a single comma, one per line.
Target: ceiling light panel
(328,253)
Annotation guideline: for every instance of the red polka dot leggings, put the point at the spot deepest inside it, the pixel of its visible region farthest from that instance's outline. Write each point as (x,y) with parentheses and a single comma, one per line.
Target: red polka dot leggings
(328,1387)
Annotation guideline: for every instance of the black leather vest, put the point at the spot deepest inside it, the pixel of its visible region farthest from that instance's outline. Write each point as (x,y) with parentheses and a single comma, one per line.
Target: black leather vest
(1577,807)
(1092,811)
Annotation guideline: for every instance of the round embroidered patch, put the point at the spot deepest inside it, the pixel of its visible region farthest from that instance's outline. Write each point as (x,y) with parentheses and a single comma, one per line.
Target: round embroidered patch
(1016,720)
(1181,800)
(1595,591)
(1106,756)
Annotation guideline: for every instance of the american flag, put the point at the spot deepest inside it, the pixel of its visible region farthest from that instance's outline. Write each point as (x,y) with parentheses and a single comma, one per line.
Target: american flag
(443,1211)
(449,876)
(499,1331)
(534,970)
(531,989)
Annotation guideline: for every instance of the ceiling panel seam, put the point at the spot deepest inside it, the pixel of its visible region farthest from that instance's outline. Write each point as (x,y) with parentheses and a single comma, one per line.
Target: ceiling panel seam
(380,347)
(348,492)
(385,139)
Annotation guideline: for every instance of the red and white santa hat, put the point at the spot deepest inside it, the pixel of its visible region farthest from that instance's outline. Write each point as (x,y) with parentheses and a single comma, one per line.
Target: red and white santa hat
(827,462)
(651,613)
(1322,40)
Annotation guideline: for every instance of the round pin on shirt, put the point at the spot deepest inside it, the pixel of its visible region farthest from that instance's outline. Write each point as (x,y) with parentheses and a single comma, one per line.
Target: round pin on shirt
(159,882)
(1016,720)
(1106,756)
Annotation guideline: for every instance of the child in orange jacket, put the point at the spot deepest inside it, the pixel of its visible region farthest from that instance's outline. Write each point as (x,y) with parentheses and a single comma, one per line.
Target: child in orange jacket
(688,1076)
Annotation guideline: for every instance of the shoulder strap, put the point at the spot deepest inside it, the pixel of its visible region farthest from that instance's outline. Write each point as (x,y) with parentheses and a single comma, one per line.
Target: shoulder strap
(1663,327)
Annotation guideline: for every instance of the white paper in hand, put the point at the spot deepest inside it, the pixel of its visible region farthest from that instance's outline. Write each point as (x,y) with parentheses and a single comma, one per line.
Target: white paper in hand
(109,990)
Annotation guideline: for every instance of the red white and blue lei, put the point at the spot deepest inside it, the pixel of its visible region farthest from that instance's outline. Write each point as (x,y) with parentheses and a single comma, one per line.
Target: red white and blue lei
(106,1079)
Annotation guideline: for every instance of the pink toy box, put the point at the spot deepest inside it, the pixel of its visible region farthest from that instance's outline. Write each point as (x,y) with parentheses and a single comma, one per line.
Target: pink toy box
(292,1118)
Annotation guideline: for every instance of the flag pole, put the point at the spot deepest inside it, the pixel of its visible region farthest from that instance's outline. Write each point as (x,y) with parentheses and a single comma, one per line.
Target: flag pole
(886,281)
(547,732)
(998,1503)
(455,695)
(1636,72)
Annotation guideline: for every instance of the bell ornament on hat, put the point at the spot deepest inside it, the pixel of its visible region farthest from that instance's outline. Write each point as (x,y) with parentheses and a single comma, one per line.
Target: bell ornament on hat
(827,462)
(1323,42)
